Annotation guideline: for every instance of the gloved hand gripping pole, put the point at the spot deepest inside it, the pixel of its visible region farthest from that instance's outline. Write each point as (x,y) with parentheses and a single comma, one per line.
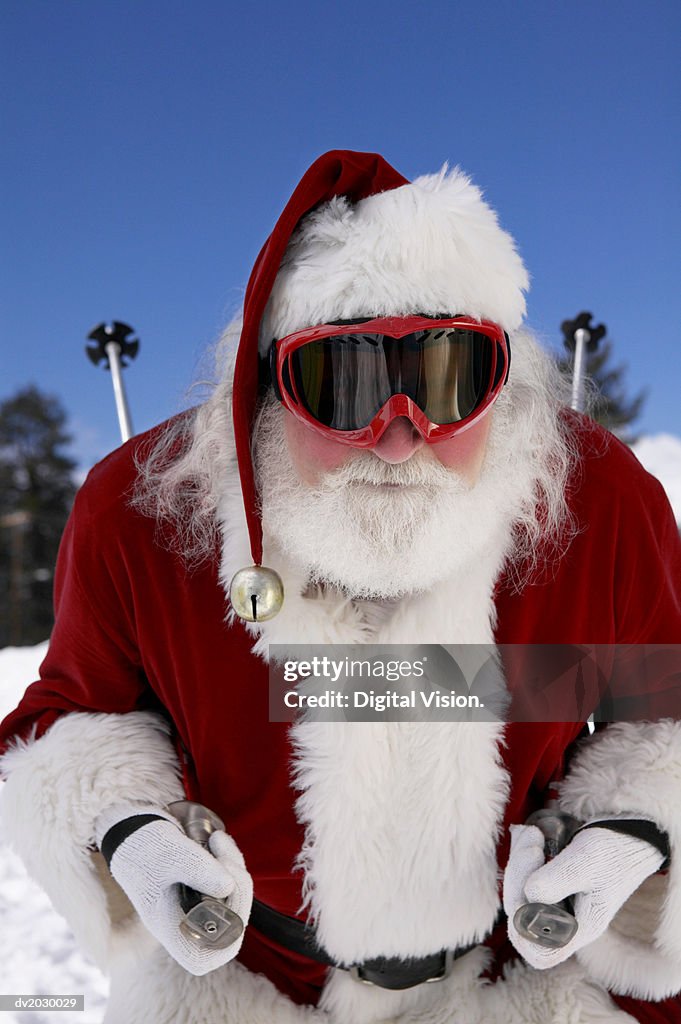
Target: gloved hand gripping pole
(549,925)
(208,922)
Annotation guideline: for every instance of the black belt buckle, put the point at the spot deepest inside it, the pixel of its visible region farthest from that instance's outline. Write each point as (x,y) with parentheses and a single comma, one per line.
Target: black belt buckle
(391,973)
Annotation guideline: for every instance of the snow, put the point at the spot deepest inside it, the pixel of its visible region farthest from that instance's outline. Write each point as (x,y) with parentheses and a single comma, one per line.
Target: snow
(38,953)
(661,456)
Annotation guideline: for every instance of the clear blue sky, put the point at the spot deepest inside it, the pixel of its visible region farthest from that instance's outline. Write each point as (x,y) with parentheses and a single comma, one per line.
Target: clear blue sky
(148,148)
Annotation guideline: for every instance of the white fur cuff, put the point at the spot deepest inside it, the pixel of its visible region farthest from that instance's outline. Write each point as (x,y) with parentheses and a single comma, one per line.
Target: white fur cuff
(635,768)
(56,789)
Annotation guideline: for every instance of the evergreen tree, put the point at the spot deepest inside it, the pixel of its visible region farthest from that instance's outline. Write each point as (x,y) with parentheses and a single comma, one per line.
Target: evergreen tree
(36,493)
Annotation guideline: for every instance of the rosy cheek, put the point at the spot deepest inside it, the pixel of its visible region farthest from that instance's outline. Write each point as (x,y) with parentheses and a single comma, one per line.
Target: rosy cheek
(312,453)
(464,452)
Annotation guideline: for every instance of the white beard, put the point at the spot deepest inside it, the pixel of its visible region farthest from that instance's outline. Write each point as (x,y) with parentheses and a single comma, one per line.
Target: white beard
(381,531)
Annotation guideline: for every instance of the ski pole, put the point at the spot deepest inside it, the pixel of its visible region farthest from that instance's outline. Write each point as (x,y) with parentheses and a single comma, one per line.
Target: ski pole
(114,347)
(580,337)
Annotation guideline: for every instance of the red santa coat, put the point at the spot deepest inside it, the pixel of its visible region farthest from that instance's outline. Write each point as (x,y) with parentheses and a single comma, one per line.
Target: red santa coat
(135,629)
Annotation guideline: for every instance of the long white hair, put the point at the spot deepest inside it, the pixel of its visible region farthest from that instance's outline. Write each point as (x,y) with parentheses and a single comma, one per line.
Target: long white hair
(181,470)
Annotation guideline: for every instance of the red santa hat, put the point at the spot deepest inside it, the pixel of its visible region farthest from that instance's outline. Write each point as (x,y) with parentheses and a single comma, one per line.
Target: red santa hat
(370,243)
(337,173)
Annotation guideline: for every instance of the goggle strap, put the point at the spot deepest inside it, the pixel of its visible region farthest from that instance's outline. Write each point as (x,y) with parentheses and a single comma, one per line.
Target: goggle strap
(273,371)
(508,357)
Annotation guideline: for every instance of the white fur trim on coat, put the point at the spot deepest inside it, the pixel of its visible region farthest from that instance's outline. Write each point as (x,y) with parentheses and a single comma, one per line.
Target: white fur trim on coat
(402,821)
(56,788)
(432,246)
(635,768)
(158,991)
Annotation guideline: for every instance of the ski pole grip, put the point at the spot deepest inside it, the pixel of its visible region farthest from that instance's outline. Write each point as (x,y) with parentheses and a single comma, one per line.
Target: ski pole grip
(208,922)
(551,925)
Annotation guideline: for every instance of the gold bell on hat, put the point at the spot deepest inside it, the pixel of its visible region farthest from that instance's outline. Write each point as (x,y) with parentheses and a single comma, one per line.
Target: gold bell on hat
(256,593)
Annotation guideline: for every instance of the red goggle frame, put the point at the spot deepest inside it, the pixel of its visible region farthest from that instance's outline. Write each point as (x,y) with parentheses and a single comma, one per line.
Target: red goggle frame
(350,380)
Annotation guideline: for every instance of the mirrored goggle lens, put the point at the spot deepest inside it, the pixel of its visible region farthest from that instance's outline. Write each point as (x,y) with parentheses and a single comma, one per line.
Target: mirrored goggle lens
(344,381)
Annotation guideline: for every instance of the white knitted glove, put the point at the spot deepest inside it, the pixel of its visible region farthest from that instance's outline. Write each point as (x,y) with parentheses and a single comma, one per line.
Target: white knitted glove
(599,867)
(152,862)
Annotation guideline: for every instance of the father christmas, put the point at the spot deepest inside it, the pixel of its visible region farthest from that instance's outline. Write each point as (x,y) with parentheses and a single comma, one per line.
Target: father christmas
(388,440)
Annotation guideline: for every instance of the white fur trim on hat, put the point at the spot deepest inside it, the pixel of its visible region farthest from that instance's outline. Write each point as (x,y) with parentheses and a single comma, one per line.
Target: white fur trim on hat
(432,246)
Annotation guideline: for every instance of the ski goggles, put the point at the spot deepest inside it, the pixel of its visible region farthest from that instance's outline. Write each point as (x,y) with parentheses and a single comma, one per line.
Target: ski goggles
(349,380)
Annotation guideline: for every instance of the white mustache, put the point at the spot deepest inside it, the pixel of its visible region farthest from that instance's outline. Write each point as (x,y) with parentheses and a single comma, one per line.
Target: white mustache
(421,470)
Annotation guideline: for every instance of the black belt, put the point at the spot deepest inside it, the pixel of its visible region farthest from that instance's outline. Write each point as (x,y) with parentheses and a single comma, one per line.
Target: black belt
(387,972)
